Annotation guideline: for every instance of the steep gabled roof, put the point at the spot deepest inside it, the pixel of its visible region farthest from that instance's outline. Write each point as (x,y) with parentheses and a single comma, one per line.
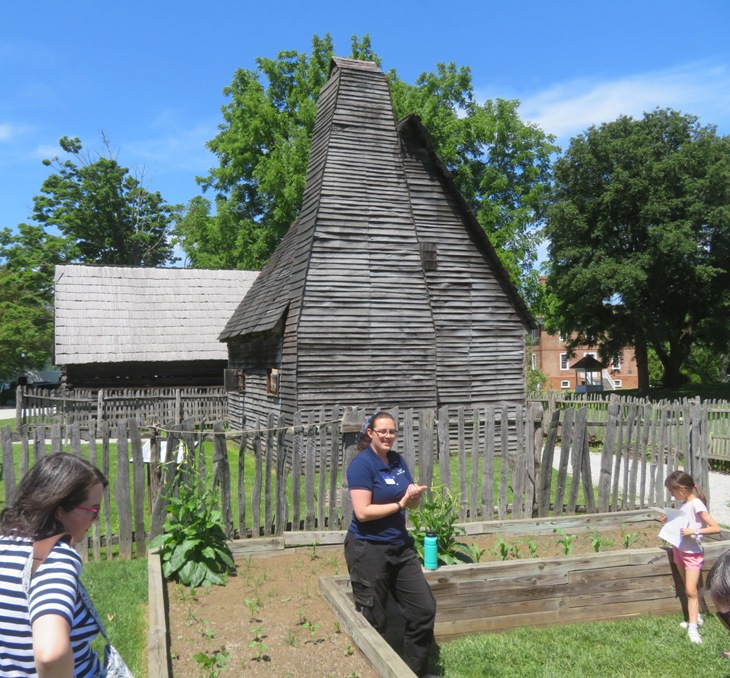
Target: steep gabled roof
(123,314)
(413,124)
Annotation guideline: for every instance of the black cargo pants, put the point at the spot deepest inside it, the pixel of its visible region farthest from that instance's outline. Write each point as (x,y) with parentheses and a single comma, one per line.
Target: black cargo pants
(377,570)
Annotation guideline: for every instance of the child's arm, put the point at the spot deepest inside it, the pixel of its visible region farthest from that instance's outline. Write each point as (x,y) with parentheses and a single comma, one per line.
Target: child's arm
(711,527)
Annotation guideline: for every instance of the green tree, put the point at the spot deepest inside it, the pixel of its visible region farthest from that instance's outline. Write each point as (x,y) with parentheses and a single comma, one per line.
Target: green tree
(27,261)
(639,249)
(104,211)
(88,212)
(501,165)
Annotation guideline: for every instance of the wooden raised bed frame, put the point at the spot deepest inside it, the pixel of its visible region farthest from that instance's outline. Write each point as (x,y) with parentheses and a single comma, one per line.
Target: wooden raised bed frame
(484,597)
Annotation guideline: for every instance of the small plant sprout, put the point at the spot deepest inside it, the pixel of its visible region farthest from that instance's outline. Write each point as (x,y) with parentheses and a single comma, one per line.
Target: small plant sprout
(313,555)
(532,545)
(311,627)
(476,553)
(566,540)
(598,542)
(258,645)
(629,538)
(253,605)
(501,548)
(337,627)
(348,650)
(214,662)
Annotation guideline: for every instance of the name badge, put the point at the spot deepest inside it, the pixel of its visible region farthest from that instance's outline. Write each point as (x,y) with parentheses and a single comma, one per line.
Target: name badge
(389,480)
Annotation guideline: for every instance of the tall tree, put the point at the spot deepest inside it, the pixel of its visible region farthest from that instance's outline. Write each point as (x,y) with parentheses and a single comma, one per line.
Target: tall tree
(640,239)
(88,211)
(501,165)
(105,211)
(27,260)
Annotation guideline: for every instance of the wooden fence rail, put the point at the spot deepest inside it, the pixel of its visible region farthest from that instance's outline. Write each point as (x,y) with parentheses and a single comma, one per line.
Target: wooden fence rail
(147,406)
(279,475)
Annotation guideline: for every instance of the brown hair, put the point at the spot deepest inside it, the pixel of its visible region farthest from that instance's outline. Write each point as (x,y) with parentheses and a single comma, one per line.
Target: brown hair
(364,439)
(58,480)
(679,479)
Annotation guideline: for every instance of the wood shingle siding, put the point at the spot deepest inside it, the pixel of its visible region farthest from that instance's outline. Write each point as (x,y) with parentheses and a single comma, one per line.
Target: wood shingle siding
(346,307)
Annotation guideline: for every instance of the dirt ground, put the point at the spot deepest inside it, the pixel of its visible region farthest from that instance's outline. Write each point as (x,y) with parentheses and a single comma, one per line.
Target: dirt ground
(270,619)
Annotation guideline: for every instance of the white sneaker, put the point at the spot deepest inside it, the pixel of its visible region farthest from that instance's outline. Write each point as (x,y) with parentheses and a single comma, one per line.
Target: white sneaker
(700,623)
(694,635)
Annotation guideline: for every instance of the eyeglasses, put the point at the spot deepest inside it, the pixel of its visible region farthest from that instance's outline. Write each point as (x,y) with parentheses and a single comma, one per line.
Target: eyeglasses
(95,511)
(386,432)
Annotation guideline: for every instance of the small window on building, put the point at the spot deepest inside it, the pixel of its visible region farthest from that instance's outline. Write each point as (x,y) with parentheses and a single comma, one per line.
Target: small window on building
(564,361)
(272,382)
(617,383)
(234,381)
(565,384)
(616,362)
(429,256)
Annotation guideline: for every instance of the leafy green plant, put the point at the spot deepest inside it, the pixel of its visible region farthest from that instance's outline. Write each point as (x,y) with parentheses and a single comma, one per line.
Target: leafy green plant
(476,553)
(598,542)
(532,545)
(506,550)
(440,514)
(212,663)
(566,540)
(628,538)
(193,547)
(258,645)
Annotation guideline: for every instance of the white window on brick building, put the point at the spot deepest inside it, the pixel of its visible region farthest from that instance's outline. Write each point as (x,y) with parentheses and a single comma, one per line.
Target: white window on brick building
(616,361)
(565,383)
(564,361)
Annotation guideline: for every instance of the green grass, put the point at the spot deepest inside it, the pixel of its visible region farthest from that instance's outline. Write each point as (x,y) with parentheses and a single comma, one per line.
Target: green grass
(8,422)
(119,591)
(715,391)
(645,647)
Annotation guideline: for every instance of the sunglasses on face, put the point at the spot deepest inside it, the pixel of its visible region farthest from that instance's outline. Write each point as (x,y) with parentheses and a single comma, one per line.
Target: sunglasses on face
(94,511)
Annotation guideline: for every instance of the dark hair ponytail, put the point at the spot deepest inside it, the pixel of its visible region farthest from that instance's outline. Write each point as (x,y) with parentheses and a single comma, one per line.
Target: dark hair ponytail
(678,479)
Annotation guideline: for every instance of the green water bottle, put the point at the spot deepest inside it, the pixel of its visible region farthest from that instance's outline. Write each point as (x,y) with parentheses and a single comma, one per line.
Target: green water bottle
(430,551)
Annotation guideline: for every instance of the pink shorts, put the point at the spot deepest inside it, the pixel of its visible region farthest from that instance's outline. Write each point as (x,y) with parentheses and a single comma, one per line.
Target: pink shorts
(688,561)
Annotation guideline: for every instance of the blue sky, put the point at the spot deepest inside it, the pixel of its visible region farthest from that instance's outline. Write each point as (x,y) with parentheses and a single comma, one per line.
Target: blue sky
(150,74)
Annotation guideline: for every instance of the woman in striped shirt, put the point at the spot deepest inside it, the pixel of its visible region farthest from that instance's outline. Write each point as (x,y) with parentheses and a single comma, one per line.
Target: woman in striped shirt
(45,628)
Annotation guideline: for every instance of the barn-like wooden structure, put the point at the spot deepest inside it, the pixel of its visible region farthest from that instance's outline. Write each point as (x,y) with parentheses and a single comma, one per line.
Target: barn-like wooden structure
(130,327)
(385,291)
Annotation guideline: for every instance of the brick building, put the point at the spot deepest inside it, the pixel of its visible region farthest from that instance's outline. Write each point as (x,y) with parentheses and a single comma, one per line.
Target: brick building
(547,353)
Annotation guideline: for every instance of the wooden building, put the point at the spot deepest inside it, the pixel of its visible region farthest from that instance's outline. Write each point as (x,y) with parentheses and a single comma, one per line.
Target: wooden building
(385,291)
(140,327)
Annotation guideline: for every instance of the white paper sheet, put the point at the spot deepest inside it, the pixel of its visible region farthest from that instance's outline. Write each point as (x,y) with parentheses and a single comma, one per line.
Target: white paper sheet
(672,529)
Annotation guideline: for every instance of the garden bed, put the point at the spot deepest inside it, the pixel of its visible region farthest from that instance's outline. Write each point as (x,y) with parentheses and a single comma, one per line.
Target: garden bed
(558,589)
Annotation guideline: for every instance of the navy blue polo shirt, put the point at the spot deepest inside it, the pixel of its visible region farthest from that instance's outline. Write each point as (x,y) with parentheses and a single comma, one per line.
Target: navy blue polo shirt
(388,484)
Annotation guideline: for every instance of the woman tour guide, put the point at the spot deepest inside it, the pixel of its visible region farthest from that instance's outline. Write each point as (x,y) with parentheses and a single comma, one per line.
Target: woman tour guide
(378,549)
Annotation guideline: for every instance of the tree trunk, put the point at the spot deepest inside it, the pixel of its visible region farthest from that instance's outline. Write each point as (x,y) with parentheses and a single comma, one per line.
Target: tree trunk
(642,365)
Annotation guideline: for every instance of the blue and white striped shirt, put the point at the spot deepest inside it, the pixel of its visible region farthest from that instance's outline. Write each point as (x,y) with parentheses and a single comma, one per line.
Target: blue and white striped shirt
(53,590)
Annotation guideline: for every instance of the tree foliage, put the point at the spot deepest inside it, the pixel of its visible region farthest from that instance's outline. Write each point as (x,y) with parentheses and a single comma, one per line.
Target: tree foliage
(104,211)
(501,164)
(639,239)
(88,212)
(27,260)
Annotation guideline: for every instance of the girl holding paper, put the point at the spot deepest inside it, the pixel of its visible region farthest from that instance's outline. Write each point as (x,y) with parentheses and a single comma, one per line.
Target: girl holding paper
(689,555)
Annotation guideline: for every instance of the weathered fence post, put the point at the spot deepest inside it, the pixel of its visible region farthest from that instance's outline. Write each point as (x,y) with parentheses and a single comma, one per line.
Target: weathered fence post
(546,467)
(282,508)
(350,427)
(122,498)
(222,475)
(6,436)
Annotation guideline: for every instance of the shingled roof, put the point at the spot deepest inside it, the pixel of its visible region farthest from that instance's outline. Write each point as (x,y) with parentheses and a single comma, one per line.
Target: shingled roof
(110,314)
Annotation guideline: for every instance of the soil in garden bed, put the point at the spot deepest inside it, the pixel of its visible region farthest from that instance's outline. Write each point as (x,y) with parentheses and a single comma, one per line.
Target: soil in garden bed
(271,620)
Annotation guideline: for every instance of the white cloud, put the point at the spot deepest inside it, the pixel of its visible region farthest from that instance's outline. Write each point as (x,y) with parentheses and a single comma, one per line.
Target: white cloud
(567,109)
(6,131)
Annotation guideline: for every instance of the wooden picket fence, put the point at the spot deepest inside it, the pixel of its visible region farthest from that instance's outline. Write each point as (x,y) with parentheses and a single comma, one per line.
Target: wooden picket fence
(147,406)
(279,475)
